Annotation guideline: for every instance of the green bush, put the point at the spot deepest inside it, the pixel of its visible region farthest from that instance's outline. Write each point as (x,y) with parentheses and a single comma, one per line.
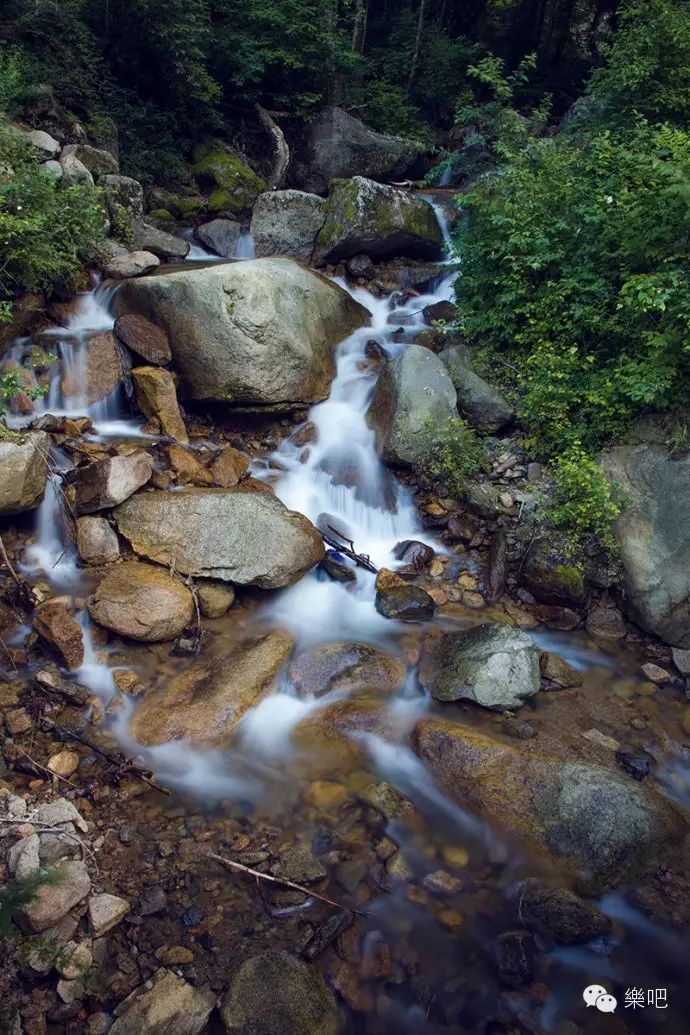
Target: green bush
(583,501)
(455,454)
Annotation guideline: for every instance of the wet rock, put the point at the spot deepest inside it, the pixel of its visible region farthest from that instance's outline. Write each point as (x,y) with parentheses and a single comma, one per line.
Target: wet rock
(214,597)
(482,405)
(124,198)
(482,499)
(209,698)
(561,618)
(413,402)
(337,145)
(108,482)
(153,900)
(167,1005)
(299,864)
(495,666)
(23,470)
(681,659)
(401,601)
(558,670)
(442,312)
(168,247)
(133,264)
(360,267)
(299,1001)
(637,766)
(655,674)
(652,537)
(590,818)
(156,397)
(105,912)
(54,624)
(219,236)
(232,186)
(497,564)
(187,466)
(107,367)
(237,535)
(414,554)
(97,542)
(142,602)
(605,623)
(365,217)
(51,901)
(64,763)
(98,162)
(286,222)
(551,580)
(559,914)
(99,1024)
(257,333)
(514,955)
(336,567)
(229,467)
(143,337)
(353,665)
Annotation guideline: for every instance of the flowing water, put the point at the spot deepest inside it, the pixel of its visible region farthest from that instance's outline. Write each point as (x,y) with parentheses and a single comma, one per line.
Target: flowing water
(441,948)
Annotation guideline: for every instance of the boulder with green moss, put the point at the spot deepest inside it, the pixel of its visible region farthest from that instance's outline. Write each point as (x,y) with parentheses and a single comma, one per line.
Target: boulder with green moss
(364,217)
(231,185)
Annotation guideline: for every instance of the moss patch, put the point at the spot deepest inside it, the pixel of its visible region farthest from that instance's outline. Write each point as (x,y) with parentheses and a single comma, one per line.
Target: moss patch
(233,186)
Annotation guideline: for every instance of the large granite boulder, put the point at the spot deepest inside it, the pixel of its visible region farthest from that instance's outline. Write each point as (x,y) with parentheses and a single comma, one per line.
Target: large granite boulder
(413,402)
(238,535)
(286,222)
(205,702)
(482,404)
(337,145)
(142,602)
(163,245)
(594,821)
(260,333)
(23,470)
(493,665)
(363,217)
(654,537)
(220,235)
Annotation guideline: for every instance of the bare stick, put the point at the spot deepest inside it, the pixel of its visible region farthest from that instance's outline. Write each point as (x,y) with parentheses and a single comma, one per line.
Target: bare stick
(360,559)
(280,147)
(281,880)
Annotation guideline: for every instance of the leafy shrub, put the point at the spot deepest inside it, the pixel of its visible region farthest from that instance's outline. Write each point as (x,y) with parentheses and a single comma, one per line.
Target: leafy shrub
(583,500)
(454,455)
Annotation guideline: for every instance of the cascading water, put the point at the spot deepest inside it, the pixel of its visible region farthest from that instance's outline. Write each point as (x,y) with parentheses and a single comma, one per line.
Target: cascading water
(244,248)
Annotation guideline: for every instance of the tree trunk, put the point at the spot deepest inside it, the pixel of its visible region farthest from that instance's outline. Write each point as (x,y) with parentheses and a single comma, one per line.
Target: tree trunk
(359,25)
(282,151)
(417,45)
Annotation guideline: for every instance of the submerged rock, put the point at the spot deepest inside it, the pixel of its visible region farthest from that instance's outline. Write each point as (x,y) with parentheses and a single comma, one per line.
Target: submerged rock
(364,217)
(108,482)
(23,470)
(277,994)
(496,666)
(142,602)
(352,665)
(400,600)
(286,222)
(219,236)
(595,821)
(559,914)
(238,535)
(205,703)
(258,333)
(413,402)
(653,537)
(167,1005)
(483,405)
(337,145)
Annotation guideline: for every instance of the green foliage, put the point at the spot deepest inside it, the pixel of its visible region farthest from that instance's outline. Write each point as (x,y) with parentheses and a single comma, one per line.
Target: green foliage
(42,225)
(583,500)
(14,79)
(19,892)
(455,454)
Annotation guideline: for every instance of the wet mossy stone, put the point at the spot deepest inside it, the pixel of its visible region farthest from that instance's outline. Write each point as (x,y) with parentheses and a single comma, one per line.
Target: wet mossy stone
(232,186)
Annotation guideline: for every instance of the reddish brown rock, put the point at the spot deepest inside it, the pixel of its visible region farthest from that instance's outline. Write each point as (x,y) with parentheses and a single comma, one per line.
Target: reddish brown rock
(605,623)
(561,618)
(144,337)
(54,624)
(229,467)
(558,670)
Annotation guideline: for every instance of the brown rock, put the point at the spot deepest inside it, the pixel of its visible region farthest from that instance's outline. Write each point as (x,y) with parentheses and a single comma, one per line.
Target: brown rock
(353,665)
(106,366)
(400,600)
(558,670)
(108,482)
(17,721)
(214,597)
(655,673)
(54,624)
(187,467)
(97,542)
(605,623)
(144,337)
(156,397)
(206,701)
(561,618)
(64,763)
(142,602)
(229,467)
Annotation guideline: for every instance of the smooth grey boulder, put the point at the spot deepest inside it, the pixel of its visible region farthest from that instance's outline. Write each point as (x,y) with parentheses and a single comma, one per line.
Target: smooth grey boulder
(131,264)
(43,142)
(220,236)
(74,171)
(52,169)
(413,402)
(654,537)
(336,145)
(260,333)
(100,163)
(23,470)
(484,406)
(237,535)
(107,482)
(369,218)
(277,994)
(142,602)
(166,246)
(286,222)
(167,1005)
(496,666)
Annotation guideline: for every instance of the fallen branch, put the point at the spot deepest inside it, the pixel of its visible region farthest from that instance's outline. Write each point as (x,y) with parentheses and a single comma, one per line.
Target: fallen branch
(136,770)
(360,559)
(282,151)
(231,865)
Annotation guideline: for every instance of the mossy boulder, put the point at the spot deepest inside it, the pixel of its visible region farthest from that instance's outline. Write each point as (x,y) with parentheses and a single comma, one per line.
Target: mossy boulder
(553,577)
(367,218)
(232,186)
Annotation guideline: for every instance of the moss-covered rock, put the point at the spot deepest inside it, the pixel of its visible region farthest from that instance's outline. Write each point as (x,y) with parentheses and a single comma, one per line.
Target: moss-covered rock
(364,217)
(233,187)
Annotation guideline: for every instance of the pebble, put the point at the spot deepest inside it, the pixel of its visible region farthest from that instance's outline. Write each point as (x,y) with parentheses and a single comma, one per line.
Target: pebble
(17,721)
(152,900)
(325,794)
(450,918)
(458,857)
(124,835)
(597,737)
(177,955)
(442,883)
(506,500)
(655,673)
(106,911)
(64,763)
(74,960)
